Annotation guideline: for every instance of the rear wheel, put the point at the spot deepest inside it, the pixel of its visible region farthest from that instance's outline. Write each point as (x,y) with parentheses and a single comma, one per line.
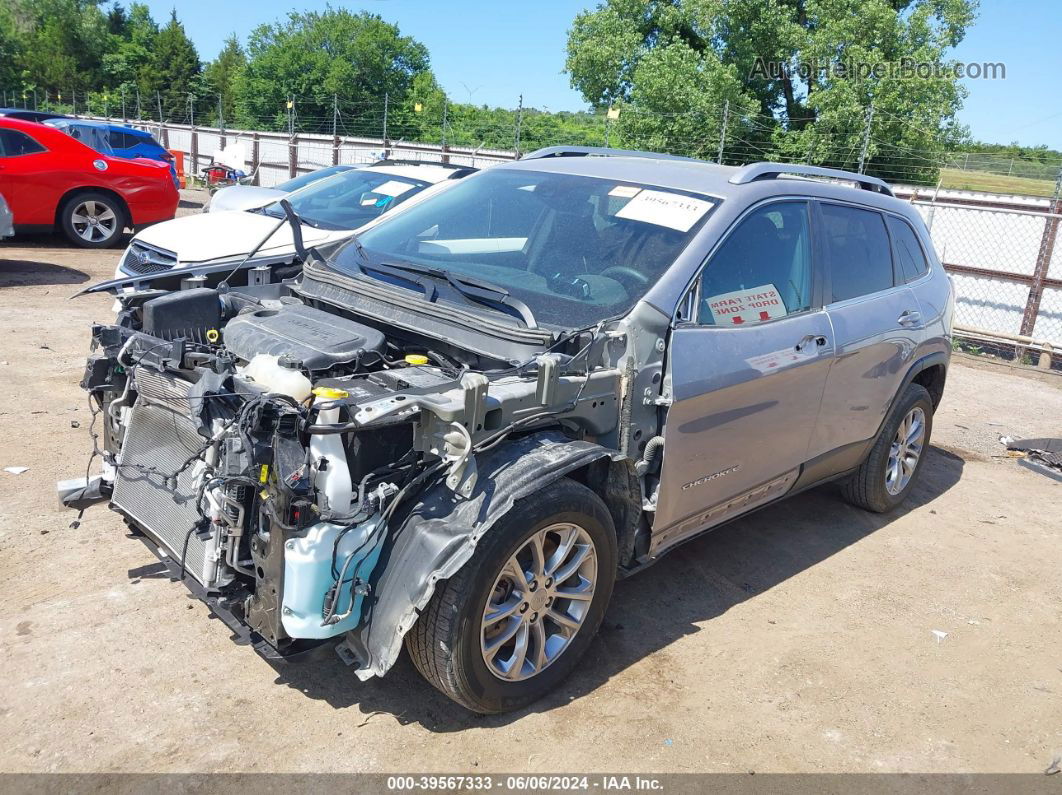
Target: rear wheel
(514,622)
(890,471)
(92,220)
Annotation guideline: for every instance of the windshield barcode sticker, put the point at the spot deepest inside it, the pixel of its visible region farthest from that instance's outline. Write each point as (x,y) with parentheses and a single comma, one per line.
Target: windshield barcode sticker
(672,210)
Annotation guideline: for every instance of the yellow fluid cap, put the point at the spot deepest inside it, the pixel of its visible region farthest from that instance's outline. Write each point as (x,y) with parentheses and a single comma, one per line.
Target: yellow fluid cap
(213,335)
(416,358)
(330,393)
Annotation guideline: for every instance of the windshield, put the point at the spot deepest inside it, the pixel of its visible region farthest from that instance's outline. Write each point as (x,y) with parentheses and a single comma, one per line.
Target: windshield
(574,249)
(349,199)
(302,181)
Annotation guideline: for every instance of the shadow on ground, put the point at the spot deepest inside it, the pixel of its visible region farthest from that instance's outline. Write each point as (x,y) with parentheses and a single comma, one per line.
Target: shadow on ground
(651,610)
(25,273)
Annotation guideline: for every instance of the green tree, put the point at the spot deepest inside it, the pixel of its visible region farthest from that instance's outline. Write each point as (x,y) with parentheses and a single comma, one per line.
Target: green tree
(221,75)
(779,64)
(173,71)
(62,42)
(316,56)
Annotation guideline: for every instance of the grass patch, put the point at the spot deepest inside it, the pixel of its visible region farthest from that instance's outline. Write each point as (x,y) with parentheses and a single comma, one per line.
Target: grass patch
(995,183)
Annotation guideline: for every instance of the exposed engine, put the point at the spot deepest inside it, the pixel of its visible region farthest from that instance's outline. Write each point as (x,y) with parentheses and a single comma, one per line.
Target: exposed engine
(261,443)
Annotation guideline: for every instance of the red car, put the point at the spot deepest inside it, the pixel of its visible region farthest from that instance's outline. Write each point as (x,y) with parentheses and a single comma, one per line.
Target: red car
(51,180)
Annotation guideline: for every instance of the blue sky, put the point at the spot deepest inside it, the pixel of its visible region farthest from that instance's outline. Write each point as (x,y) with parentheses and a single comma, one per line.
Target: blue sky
(484,53)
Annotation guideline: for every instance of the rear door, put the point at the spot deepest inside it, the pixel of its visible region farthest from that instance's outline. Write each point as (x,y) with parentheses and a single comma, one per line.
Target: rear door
(747,368)
(876,323)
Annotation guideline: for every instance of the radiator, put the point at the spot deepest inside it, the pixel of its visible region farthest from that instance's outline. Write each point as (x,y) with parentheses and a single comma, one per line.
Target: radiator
(161,438)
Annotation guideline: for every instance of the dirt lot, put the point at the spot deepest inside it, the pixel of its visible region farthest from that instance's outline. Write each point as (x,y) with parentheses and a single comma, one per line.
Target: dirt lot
(799,639)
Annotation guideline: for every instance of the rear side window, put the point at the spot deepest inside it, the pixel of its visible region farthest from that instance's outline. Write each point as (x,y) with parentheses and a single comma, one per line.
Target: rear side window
(14,143)
(857,250)
(762,270)
(121,140)
(907,250)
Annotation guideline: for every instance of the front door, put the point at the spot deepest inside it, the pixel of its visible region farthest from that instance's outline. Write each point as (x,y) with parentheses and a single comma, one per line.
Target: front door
(746,373)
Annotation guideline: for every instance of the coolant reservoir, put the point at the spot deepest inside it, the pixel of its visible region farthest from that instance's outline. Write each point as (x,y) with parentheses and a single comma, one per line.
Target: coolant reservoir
(330,457)
(265,369)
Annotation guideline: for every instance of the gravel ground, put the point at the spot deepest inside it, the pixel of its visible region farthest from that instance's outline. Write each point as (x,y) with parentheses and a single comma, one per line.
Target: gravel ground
(798,639)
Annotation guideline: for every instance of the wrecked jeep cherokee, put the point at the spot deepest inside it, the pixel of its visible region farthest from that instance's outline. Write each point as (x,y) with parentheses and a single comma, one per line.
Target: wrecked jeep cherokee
(456,429)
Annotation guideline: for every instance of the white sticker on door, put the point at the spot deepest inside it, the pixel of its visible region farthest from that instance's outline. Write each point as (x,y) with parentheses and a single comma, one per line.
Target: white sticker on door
(672,210)
(753,305)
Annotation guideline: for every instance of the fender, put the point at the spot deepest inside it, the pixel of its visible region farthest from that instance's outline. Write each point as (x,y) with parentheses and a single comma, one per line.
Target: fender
(436,535)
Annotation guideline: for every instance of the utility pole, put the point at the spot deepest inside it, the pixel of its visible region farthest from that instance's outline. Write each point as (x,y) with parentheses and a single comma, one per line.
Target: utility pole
(139,111)
(866,139)
(722,131)
(158,100)
(191,110)
(221,117)
(519,123)
(35,99)
(445,103)
(335,115)
(291,116)
(387,103)
(123,102)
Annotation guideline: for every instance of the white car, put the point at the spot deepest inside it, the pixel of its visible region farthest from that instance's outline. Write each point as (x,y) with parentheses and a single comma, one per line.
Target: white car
(7,220)
(329,210)
(251,197)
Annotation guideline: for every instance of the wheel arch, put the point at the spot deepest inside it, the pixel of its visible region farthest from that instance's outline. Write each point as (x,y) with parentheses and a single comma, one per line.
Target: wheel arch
(432,538)
(72,192)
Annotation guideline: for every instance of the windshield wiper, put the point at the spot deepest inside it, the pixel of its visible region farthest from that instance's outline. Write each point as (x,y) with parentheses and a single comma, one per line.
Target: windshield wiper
(369,268)
(477,290)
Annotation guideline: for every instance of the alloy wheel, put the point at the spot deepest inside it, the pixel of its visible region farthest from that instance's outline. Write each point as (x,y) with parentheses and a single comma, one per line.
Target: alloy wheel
(539,601)
(905,451)
(94,221)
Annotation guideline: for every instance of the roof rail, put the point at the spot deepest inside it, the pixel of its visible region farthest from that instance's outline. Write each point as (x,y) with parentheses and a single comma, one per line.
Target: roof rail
(600,151)
(397,161)
(758,171)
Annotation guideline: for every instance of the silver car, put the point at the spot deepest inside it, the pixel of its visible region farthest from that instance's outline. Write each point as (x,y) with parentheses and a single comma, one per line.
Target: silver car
(7,219)
(458,428)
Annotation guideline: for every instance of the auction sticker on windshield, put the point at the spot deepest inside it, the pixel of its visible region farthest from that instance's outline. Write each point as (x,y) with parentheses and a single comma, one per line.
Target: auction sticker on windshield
(660,208)
(392,188)
(753,305)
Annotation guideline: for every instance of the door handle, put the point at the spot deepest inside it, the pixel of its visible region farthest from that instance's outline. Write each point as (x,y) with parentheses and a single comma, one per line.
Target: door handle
(818,339)
(909,318)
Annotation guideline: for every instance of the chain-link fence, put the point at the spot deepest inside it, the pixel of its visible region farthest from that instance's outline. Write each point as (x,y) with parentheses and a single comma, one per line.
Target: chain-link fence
(1001,252)
(1006,263)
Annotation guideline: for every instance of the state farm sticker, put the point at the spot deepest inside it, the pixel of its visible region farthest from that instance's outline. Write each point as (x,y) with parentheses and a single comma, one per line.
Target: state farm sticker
(753,305)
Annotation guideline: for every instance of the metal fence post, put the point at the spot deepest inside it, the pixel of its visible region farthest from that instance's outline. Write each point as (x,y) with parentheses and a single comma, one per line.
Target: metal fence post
(293,156)
(1043,261)
(255,160)
(194,154)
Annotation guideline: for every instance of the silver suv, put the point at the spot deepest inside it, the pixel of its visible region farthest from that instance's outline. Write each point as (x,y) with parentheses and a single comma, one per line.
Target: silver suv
(459,427)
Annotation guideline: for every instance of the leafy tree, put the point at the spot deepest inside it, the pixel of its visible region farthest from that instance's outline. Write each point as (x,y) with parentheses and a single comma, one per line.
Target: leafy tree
(174,70)
(315,56)
(221,74)
(62,42)
(666,58)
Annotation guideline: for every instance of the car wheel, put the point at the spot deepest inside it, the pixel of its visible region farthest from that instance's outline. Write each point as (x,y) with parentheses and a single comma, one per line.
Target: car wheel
(515,621)
(92,220)
(889,473)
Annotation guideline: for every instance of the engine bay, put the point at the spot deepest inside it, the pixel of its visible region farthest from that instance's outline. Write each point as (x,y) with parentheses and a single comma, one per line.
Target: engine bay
(265,444)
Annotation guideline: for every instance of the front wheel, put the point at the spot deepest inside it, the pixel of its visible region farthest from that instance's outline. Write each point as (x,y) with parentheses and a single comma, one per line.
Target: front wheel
(515,621)
(92,220)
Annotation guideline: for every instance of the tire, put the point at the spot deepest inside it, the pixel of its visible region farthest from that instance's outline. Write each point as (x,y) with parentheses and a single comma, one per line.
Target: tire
(879,485)
(449,643)
(77,212)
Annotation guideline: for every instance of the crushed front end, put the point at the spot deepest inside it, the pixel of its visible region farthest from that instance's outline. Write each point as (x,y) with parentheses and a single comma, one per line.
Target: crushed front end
(263,444)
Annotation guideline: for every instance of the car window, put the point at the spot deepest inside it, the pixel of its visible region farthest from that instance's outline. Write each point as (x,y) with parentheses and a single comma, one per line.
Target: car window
(574,249)
(14,143)
(761,271)
(857,250)
(302,181)
(907,250)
